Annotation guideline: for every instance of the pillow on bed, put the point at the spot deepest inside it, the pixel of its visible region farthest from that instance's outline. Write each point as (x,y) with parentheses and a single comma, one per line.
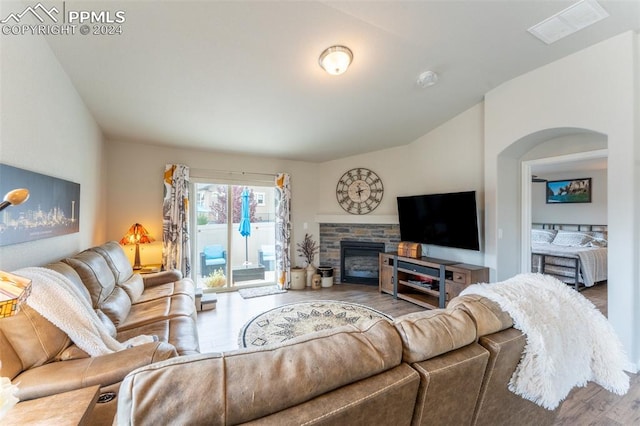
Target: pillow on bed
(599,238)
(572,239)
(543,235)
(598,242)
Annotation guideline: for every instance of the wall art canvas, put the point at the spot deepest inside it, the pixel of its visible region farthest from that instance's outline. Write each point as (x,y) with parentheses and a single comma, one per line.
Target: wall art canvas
(569,191)
(53,207)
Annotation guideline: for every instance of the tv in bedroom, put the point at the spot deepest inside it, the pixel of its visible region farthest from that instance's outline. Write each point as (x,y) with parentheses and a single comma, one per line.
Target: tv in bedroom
(449,220)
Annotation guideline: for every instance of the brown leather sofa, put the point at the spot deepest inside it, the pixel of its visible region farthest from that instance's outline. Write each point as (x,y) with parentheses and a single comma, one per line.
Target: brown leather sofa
(41,358)
(441,367)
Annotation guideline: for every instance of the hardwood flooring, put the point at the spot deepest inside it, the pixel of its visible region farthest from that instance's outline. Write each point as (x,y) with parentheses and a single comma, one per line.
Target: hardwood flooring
(591,405)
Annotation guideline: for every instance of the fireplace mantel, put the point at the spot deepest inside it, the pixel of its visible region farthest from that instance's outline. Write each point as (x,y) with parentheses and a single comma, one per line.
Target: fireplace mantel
(380,219)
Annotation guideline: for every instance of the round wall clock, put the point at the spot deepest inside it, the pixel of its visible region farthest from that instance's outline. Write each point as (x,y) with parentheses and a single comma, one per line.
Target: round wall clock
(359,191)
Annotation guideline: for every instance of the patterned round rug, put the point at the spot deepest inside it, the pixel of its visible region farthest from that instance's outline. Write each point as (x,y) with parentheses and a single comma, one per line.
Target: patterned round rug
(288,321)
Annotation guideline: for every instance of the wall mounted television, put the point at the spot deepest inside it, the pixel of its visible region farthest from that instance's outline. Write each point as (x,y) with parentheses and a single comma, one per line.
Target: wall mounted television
(449,220)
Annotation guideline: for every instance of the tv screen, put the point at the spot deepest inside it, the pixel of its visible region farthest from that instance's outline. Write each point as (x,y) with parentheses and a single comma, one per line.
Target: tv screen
(449,220)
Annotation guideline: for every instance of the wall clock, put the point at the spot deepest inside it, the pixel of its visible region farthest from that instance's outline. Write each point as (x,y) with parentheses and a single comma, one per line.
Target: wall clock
(359,191)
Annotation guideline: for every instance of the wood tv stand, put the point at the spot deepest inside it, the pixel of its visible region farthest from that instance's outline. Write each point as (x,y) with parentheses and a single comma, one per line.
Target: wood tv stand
(427,281)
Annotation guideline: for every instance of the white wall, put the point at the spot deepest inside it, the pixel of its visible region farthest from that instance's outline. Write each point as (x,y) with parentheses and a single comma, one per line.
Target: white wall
(46,128)
(594,213)
(135,190)
(447,159)
(563,95)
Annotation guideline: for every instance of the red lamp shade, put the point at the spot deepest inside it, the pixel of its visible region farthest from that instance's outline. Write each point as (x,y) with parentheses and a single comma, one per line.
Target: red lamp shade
(137,235)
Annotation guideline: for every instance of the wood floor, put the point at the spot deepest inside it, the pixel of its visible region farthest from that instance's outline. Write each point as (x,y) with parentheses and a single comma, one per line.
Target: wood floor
(592,405)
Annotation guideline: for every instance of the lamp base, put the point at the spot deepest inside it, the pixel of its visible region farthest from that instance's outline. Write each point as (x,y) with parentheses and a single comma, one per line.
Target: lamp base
(136,262)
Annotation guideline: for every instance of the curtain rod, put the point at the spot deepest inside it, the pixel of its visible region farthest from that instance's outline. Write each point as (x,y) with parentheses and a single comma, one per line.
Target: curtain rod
(232,172)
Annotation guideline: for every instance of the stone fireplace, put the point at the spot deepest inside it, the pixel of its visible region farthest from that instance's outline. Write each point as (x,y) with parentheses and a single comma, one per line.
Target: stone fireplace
(332,234)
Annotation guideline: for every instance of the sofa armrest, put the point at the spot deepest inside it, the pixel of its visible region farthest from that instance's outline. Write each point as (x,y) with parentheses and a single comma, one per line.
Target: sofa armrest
(105,370)
(163,277)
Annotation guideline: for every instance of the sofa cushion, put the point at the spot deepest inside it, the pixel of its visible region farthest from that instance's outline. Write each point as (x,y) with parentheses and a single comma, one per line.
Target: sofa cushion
(34,339)
(134,287)
(430,333)
(289,374)
(180,332)
(387,398)
(158,309)
(117,306)
(117,260)
(71,274)
(95,275)
(182,286)
(486,314)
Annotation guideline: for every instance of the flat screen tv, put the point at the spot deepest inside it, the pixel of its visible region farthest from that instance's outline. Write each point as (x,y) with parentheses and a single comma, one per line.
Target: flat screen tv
(449,220)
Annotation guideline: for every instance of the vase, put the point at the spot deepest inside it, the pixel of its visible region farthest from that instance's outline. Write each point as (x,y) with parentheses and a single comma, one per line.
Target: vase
(297,279)
(316,282)
(311,270)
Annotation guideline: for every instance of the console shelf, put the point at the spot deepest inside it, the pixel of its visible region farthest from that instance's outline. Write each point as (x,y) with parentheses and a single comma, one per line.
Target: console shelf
(426,281)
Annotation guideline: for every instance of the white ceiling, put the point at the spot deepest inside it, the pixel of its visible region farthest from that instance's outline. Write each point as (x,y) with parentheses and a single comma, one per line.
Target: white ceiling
(244,77)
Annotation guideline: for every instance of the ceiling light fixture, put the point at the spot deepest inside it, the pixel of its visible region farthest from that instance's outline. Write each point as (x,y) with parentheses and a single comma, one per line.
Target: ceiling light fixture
(336,59)
(427,79)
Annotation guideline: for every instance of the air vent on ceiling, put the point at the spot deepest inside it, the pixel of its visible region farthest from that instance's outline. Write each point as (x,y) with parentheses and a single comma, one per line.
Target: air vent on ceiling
(574,18)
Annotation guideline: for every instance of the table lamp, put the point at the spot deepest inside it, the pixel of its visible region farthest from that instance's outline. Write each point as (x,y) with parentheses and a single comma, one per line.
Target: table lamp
(137,235)
(14,290)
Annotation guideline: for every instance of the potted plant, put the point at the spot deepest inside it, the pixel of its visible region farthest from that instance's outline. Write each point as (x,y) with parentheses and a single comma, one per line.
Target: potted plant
(308,249)
(214,280)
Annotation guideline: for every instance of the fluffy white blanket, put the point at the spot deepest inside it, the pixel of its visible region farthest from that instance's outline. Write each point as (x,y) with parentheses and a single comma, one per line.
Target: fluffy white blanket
(61,302)
(569,342)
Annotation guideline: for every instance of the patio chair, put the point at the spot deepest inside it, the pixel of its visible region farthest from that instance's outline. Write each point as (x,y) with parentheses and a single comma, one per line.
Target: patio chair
(267,257)
(213,257)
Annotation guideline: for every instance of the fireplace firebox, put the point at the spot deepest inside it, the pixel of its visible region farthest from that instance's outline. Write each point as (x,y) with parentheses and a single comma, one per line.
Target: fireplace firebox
(359,262)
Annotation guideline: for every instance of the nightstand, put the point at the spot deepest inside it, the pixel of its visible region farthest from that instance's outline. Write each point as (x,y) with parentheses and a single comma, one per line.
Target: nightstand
(68,408)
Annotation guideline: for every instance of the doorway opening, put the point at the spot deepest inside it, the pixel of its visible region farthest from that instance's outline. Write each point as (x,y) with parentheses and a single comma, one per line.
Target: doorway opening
(229,256)
(582,161)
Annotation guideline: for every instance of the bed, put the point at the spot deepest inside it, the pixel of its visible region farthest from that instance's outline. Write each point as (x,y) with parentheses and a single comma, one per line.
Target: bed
(575,254)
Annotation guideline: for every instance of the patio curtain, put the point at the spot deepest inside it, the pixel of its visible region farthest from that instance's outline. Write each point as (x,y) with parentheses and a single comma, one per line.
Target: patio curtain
(176,252)
(283,230)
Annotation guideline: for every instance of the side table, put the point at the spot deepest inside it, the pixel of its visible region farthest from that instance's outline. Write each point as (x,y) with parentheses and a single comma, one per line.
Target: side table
(68,408)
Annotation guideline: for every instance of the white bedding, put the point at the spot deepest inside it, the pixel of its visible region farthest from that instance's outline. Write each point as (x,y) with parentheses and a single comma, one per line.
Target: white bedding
(593,261)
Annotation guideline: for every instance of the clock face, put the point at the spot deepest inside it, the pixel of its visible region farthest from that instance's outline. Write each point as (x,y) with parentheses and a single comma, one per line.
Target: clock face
(359,191)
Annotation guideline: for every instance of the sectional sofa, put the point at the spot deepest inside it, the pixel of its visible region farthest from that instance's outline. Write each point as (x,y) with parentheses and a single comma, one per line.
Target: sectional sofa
(42,359)
(444,366)
(441,367)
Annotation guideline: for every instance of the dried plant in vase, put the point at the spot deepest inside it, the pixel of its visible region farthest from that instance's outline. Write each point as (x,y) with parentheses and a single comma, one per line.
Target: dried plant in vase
(308,249)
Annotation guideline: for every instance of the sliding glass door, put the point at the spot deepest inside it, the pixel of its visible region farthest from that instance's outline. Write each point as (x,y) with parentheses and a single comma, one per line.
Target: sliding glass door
(234,236)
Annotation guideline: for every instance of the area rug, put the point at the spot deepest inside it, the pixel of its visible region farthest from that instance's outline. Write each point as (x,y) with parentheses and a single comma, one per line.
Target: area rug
(248,293)
(288,321)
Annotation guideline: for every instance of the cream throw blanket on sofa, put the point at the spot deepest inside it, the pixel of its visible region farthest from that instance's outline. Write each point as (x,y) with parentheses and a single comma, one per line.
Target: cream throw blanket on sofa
(61,302)
(569,342)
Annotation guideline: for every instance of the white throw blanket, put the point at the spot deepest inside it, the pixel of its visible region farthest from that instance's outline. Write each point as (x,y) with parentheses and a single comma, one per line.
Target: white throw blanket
(61,302)
(569,342)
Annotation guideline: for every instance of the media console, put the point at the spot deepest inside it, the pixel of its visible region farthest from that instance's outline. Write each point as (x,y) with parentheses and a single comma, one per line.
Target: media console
(427,281)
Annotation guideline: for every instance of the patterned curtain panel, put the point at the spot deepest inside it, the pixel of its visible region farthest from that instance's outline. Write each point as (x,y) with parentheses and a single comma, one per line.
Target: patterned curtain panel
(283,230)
(176,253)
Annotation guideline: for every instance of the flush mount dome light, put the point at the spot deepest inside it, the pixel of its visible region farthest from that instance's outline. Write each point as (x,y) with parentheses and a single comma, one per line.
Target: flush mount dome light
(336,59)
